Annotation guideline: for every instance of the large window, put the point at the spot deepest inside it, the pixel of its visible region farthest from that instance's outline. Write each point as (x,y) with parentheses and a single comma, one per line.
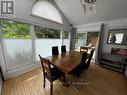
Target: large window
(45,9)
(21,50)
(50,33)
(80,40)
(14,29)
(17,45)
(65,35)
(48,37)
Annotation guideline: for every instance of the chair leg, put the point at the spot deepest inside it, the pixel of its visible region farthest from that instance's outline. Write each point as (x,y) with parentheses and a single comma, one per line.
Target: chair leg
(63,80)
(51,88)
(65,83)
(44,82)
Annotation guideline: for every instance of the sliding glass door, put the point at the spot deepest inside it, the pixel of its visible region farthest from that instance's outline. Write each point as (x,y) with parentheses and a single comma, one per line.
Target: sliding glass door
(81,39)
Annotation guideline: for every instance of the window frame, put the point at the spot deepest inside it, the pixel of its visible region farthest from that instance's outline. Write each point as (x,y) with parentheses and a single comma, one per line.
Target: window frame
(64,36)
(57,9)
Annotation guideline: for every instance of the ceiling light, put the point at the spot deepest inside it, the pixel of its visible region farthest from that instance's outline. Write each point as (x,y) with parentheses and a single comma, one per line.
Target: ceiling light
(89,6)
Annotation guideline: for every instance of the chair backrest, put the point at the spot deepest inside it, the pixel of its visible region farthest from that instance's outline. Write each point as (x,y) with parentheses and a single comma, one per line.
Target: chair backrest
(90,45)
(63,49)
(90,56)
(46,67)
(79,69)
(87,64)
(55,50)
(83,49)
(84,57)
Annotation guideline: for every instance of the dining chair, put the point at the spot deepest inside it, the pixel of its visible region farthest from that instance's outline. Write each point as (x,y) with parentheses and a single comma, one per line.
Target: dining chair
(88,61)
(51,74)
(63,49)
(55,50)
(79,69)
(86,48)
(83,49)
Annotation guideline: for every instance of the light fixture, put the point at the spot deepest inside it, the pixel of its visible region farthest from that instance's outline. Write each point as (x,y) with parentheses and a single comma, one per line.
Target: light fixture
(90,1)
(89,6)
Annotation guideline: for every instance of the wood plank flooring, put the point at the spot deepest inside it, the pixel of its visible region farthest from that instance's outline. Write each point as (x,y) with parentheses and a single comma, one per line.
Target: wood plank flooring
(101,82)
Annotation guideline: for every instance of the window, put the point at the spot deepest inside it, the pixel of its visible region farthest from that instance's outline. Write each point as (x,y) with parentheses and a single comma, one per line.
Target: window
(80,40)
(46,32)
(45,9)
(14,29)
(65,35)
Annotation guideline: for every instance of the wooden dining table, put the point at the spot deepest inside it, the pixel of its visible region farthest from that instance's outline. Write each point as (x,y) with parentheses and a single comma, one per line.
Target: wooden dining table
(66,62)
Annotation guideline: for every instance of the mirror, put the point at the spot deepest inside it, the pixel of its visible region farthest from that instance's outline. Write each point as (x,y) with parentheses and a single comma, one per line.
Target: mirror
(117,36)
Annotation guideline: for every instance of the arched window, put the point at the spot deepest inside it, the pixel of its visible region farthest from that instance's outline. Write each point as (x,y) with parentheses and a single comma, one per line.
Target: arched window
(45,9)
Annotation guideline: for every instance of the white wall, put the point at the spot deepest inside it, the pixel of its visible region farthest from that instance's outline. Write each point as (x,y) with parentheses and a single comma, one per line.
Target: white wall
(88,27)
(118,23)
(23,12)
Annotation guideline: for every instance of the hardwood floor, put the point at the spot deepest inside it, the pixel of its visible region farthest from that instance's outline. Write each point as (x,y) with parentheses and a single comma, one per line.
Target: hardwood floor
(101,82)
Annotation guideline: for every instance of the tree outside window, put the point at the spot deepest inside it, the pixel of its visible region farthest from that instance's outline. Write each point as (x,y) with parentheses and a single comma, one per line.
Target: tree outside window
(65,35)
(14,29)
(42,32)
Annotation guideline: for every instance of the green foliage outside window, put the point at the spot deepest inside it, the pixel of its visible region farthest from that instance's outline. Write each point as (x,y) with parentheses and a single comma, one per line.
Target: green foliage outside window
(65,35)
(42,32)
(14,29)
(81,36)
(80,40)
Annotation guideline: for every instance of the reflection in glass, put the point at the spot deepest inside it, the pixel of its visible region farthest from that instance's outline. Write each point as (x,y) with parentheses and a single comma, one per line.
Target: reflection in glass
(118,36)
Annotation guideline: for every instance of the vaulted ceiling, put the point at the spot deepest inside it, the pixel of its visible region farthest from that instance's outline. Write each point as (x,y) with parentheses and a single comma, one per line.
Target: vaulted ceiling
(105,10)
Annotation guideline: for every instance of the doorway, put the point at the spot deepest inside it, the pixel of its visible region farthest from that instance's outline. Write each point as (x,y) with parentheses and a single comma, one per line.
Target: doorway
(85,39)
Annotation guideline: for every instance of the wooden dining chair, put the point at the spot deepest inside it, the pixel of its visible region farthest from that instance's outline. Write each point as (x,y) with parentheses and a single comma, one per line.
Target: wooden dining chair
(63,49)
(55,50)
(79,69)
(51,74)
(87,64)
(83,49)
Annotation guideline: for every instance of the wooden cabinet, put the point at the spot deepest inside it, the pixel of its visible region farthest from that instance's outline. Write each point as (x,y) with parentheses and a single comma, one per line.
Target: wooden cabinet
(113,61)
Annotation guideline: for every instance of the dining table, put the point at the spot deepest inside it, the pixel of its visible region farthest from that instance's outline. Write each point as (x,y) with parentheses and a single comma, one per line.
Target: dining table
(66,62)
